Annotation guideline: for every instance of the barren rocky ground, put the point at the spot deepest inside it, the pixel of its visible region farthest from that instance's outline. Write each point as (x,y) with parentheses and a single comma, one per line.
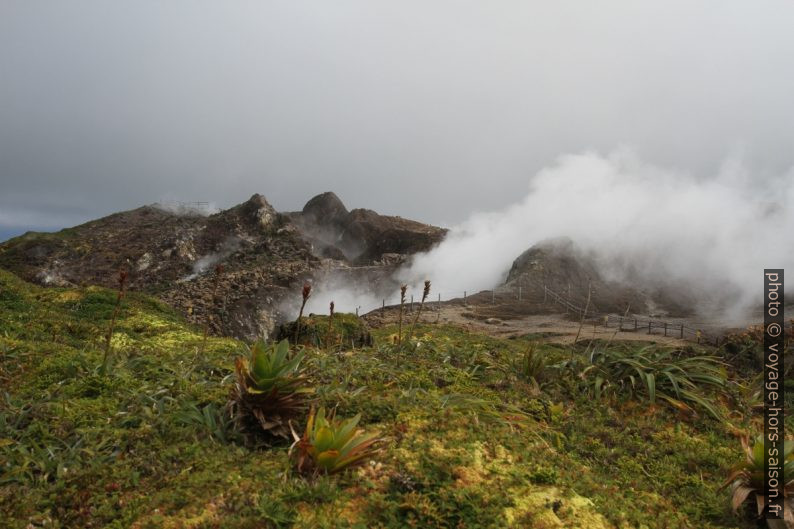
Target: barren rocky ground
(548,326)
(265,256)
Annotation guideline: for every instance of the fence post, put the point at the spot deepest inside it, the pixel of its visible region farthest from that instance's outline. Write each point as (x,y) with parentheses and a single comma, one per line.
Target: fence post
(649,327)
(464,298)
(383,306)
(438,307)
(635,324)
(357,312)
(606,320)
(411,309)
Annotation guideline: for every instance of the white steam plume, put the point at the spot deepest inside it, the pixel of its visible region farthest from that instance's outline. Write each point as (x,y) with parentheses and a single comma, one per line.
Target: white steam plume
(715,235)
(187,209)
(349,289)
(205,262)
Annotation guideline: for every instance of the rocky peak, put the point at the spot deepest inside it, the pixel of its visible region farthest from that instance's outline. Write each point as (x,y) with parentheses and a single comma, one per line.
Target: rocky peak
(377,235)
(255,211)
(361,236)
(266,255)
(325,208)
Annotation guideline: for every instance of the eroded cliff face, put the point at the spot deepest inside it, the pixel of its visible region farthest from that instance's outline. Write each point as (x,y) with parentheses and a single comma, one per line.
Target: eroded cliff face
(361,236)
(265,256)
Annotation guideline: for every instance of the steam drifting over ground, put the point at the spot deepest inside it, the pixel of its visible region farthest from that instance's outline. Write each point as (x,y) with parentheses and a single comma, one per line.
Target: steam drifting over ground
(349,289)
(645,224)
(201,209)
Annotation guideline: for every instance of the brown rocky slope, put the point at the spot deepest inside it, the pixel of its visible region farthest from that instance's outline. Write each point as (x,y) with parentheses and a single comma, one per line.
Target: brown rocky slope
(265,255)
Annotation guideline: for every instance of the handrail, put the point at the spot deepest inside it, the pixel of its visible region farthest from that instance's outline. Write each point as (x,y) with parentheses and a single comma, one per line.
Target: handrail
(591,316)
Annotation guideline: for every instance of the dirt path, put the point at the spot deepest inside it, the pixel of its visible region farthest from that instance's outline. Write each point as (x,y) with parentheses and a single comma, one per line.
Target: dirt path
(556,328)
(551,327)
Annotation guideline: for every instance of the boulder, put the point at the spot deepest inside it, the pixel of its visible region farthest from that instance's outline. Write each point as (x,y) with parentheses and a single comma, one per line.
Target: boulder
(325,209)
(362,236)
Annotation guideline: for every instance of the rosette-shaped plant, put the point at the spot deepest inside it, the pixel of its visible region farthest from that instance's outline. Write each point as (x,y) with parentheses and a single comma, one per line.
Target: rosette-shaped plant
(331,445)
(747,478)
(270,390)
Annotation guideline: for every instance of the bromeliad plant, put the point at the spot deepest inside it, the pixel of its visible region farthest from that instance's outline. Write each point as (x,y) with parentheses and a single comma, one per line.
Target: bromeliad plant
(329,336)
(658,373)
(403,288)
(305,293)
(331,445)
(270,390)
(747,478)
(122,280)
(425,294)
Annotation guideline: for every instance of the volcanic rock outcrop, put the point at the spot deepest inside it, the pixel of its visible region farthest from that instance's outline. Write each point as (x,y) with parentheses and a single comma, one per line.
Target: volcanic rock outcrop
(569,271)
(265,256)
(361,236)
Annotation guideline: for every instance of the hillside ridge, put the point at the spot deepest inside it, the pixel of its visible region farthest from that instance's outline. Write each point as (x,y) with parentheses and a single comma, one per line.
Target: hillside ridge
(264,255)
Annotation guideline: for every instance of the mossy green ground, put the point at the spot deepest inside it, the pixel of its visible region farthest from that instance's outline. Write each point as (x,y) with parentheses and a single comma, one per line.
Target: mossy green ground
(469,444)
(313,331)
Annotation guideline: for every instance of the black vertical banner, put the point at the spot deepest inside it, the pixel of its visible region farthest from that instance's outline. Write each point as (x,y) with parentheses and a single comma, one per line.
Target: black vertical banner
(774,430)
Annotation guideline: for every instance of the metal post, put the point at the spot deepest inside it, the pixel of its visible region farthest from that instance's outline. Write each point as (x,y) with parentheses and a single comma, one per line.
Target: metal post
(438,307)
(383,307)
(411,309)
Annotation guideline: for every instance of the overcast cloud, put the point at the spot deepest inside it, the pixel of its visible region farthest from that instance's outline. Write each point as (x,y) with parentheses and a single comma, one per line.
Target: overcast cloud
(427,109)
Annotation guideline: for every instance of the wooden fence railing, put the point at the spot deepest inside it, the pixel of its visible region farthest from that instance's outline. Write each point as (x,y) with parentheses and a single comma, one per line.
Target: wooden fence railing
(624,323)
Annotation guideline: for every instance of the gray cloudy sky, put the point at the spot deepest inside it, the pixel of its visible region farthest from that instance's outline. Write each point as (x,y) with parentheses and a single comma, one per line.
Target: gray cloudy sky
(427,109)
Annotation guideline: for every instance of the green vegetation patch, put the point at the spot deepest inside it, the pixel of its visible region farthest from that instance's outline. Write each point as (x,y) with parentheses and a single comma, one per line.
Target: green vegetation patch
(342,331)
(470,439)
